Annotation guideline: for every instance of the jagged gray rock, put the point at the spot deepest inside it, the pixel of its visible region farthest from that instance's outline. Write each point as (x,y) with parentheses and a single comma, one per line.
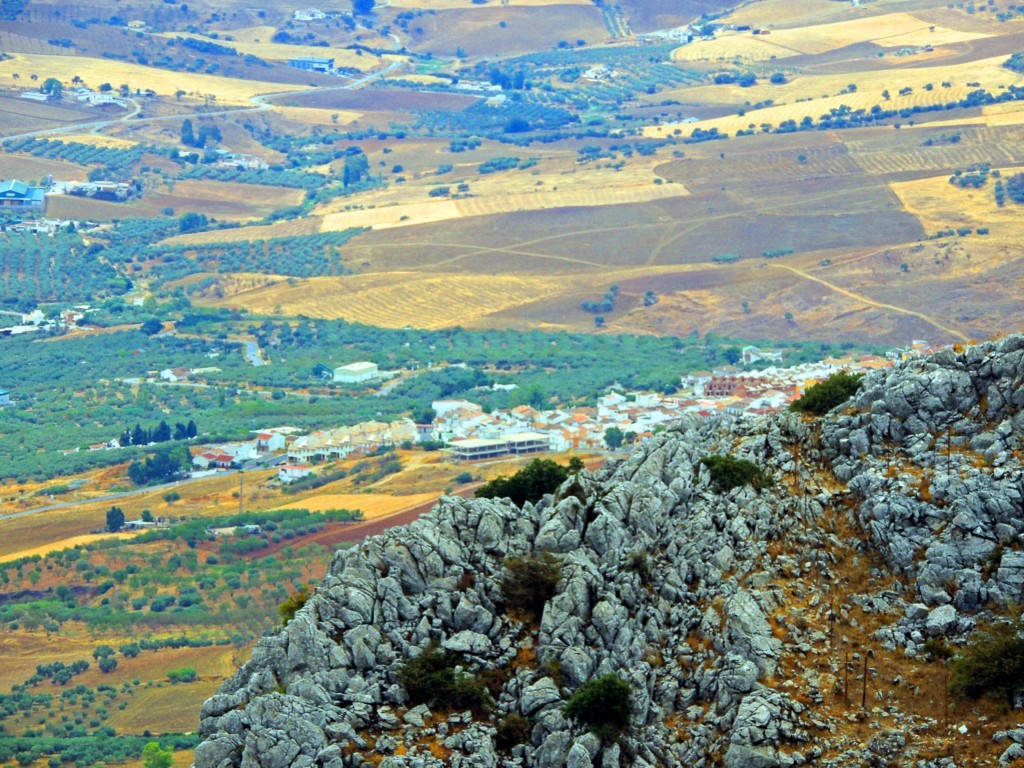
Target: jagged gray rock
(665,583)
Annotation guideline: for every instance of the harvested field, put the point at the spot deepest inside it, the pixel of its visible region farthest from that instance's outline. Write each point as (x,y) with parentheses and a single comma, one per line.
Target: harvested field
(478,31)
(28,167)
(817,89)
(650,15)
(879,29)
(313,116)
(398,299)
(18,115)
(742,47)
(164,82)
(222,199)
(307,226)
(540,199)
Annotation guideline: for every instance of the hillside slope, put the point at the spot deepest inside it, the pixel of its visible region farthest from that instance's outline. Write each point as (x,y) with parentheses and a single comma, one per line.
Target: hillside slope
(774,628)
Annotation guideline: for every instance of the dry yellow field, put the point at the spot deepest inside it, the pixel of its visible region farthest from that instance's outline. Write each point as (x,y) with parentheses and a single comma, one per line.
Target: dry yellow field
(314,116)
(941,205)
(99,140)
(293,228)
(68,543)
(396,300)
(727,47)
(373,505)
(164,82)
(784,13)
(561,185)
(989,73)
(899,30)
(343,57)
(387,217)
(878,29)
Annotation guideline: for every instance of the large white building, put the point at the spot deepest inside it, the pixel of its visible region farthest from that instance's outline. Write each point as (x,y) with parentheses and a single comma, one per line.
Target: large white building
(356,373)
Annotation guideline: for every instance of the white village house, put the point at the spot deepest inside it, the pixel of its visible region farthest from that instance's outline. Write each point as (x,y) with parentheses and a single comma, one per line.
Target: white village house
(357,373)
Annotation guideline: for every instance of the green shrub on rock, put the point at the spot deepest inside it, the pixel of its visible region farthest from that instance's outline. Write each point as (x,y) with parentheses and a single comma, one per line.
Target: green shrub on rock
(822,397)
(602,705)
(728,472)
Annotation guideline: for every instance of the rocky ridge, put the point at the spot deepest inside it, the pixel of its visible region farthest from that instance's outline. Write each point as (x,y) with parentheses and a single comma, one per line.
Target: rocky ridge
(736,618)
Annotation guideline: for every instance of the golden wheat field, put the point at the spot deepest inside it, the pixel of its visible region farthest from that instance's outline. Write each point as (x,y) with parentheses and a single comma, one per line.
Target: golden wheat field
(372,505)
(164,82)
(68,543)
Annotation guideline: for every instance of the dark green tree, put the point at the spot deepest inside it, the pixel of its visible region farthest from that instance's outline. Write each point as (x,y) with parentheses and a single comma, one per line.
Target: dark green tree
(614,437)
(115,519)
(363,7)
(152,326)
(188,136)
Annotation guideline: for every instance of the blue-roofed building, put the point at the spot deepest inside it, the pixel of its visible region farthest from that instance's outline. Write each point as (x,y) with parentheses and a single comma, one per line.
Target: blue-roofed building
(18,194)
(5,398)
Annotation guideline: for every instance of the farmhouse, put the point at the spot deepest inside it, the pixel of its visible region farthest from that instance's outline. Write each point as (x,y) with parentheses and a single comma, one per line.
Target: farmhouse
(35,96)
(356,373)
(312,64)
(289,473)
(5,398)
(18,194)
(309,14)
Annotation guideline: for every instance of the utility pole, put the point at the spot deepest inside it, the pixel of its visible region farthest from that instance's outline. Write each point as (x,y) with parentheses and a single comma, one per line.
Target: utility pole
(864,687)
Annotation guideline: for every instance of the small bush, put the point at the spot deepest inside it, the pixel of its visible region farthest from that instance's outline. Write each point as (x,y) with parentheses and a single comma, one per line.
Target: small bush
(288,608)
(431,679)
(513,729)
(826,395)
(992,663)
(602,705)
(728,472)
(528,583)
(182,675)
